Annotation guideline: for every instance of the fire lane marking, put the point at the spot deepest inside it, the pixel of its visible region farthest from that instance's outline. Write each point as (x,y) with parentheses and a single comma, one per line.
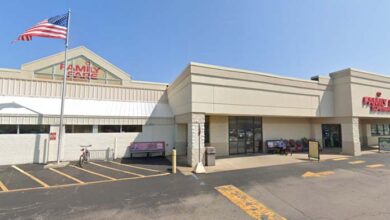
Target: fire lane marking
(110,168)
(248,204)
(318,174)
(3,187)
(136,167)
(97,174)
(31,176)
(67,176)
(357,162)
(341,158)
(375,165)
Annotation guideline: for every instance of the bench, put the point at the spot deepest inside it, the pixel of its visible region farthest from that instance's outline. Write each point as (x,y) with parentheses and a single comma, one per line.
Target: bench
(147,147)
(276,146)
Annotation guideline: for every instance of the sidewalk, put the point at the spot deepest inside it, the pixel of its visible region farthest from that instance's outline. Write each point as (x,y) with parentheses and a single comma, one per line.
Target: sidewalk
(257,160)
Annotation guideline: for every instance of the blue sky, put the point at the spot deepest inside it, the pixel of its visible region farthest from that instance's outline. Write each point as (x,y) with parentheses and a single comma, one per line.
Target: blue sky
(154,40)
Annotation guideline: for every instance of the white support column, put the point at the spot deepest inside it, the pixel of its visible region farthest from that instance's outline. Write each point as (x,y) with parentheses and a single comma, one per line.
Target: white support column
(351,137)
(195,143)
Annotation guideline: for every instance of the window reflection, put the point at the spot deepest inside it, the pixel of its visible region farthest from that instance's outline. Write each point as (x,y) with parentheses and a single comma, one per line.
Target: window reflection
(245,135)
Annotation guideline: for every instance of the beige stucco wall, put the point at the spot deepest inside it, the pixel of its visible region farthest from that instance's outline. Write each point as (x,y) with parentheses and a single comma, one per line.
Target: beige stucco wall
(351,85)
(342,94)
(219,137)
(217,90)
(286,128)
(180,94)
(181,139)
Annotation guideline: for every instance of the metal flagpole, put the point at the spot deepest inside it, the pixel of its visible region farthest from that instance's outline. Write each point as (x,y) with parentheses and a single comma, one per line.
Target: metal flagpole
(63,92)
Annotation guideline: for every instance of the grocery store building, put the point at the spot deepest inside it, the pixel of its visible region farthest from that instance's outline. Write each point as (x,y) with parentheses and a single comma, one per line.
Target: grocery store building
(237,110)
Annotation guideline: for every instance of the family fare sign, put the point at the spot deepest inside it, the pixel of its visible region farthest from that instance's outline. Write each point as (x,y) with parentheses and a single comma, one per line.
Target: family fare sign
(86,71)
(377,104)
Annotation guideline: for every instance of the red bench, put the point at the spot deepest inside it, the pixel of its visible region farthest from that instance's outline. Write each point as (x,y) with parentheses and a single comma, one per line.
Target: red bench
(147,147)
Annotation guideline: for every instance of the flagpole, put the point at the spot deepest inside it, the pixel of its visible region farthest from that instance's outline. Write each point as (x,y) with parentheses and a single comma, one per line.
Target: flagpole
(60,136)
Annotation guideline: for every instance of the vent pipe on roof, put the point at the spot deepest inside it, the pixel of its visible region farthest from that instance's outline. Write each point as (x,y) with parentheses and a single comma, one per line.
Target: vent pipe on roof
(315,78)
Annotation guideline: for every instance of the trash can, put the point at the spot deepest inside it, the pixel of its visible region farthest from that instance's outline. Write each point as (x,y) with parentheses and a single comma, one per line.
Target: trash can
(210,156)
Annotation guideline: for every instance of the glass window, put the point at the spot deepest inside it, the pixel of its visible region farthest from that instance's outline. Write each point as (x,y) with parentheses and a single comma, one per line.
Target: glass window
(46,73)
(386,129)
(245,135)
(34,129)
(380,129)
(131,128)
(109,128)
(8,129)
(78,128)
(258,138)
(374,129)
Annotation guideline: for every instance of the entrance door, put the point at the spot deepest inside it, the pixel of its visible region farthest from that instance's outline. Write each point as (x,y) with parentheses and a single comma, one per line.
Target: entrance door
(331,135)
(244,135)
(248,130)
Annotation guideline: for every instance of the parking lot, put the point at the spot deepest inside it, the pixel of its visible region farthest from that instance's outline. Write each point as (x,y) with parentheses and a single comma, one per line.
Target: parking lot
(34,176)
(339,188)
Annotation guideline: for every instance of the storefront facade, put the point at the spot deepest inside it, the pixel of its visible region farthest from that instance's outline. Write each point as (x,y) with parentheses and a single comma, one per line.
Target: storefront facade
(237,110)
(244,109)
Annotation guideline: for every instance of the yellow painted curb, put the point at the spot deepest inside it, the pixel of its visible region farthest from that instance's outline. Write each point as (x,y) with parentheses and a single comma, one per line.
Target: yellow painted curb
(3,187)
(375,165)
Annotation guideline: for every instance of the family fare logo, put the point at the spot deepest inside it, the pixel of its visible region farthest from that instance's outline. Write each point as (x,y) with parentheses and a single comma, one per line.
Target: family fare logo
(86,71)
(377,104)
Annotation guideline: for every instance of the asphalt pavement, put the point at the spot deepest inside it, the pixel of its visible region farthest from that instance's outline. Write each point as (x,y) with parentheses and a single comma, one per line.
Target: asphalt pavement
(350,188)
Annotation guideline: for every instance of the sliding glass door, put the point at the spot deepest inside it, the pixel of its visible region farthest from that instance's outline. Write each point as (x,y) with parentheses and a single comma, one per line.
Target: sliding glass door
(245,135)
(331,135)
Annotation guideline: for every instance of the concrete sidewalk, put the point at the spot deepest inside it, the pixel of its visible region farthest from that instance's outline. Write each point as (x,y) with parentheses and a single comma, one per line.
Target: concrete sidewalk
(258,160)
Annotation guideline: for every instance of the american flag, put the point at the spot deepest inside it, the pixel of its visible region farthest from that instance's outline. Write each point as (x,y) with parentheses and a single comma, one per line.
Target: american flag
(55,27)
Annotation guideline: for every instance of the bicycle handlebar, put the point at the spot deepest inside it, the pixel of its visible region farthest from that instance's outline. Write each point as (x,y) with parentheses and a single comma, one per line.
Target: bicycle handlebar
(90,145)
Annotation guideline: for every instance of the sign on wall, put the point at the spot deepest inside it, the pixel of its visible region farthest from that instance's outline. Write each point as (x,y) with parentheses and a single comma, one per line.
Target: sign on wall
(377,104)
(53,136)
(81,71)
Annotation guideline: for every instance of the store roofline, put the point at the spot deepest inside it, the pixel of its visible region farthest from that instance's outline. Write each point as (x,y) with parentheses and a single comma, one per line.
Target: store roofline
(249,72)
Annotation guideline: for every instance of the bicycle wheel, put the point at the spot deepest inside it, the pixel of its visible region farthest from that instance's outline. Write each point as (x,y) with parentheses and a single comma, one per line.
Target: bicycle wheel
(87,156)
(81,160)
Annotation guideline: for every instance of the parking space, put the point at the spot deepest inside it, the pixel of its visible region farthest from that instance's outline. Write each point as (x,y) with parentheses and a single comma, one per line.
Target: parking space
(35,176)
(12,179)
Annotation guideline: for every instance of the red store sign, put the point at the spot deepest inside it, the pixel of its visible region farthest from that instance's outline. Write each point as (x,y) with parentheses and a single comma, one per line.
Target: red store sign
(53,136)
(377,104)
(86,71)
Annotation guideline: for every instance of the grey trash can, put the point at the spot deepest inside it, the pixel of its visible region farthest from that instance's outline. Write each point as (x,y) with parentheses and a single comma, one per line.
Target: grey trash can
(210,156)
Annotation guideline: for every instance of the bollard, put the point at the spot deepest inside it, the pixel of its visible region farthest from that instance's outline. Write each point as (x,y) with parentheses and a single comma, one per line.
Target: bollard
(173,160)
